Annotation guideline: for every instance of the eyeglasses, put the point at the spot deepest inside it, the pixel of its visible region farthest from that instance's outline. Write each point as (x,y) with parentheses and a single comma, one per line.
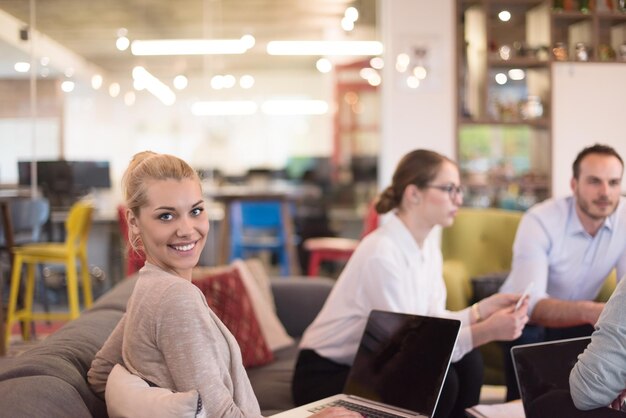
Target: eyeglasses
(452,189)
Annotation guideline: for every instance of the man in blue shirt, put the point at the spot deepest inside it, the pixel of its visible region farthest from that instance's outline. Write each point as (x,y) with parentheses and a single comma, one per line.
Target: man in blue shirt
(566,247)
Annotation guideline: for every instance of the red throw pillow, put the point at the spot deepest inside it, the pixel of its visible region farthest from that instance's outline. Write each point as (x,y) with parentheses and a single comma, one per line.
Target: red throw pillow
(226,295)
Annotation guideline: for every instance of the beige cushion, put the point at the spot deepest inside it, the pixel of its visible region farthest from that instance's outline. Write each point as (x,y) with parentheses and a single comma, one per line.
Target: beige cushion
(256,267)
(273,331)
(129,396)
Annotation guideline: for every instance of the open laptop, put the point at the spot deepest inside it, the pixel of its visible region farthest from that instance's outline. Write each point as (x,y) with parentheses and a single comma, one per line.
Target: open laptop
(399,368)
(543,367)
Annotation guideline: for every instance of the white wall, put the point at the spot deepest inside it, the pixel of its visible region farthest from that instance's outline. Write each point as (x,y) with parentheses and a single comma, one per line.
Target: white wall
(589,106)
(421,118)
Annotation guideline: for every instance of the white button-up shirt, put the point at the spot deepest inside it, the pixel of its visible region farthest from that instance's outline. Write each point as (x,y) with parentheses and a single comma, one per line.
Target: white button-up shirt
(553,250)
(389,272)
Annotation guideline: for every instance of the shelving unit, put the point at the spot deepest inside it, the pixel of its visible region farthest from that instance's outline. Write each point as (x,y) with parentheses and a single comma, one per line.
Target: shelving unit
(504,117)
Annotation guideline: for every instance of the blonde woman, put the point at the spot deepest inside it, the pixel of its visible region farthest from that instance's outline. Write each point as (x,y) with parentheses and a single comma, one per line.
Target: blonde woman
(169,336)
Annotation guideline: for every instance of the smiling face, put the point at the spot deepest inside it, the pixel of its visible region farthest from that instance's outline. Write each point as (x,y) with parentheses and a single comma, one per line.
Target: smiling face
(173,225)
(597,188)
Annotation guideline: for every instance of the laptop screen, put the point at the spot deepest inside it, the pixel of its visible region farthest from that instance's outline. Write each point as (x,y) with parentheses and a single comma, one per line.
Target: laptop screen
(543,367)
(403,360)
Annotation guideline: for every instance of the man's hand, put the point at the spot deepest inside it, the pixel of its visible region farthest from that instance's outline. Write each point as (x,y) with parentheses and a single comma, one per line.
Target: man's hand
(618,403)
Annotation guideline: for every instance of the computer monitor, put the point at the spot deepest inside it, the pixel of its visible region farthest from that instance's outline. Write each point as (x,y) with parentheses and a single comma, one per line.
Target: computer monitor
(90,175)
(63,182)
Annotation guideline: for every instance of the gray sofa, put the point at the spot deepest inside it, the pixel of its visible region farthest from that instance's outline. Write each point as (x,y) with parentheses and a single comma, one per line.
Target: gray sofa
(50,379)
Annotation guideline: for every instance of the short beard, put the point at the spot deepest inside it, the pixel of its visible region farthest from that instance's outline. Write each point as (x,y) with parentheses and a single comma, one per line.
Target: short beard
(585,208)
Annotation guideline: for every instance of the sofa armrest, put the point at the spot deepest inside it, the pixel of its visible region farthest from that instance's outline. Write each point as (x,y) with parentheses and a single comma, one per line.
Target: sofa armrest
(299,300)
(41,396)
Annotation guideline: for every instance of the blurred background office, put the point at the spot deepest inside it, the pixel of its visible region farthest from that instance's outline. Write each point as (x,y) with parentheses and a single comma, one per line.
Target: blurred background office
(79,84)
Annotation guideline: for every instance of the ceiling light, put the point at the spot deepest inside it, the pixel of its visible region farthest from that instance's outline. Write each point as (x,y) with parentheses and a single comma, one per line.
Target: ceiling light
(221,108)
(324,48)
(44,61)
(192,46)
(67,86)
(323,65)
(402,62)
(347,24)
(122,43)
(69,72)
(351,13)
(114,89)
(351,97)
(180,82)
(377,62)
(504,15)
(96,81)
(155,86)
(517,74)
(22,67)
(248,41)
(294,107)
(229,81)
(420,72)
(374,80)
(246,81)
(366,72)
(129,98)
(413,82)
(217,82)
(501,78)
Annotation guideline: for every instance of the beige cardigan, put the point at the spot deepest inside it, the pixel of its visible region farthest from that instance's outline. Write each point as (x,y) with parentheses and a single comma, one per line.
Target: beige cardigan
(170,337)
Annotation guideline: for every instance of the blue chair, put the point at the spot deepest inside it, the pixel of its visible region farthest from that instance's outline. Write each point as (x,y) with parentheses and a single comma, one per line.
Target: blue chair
(260,225)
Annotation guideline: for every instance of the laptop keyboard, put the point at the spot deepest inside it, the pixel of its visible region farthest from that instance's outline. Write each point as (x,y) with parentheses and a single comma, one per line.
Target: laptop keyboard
(363,410)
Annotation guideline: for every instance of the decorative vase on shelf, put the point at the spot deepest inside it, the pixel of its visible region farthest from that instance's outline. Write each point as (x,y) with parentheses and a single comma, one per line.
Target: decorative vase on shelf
(559,51)
(569,5)
(582,52)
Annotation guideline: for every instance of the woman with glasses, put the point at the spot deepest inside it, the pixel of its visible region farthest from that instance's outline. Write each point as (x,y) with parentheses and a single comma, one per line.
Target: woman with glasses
(398,268)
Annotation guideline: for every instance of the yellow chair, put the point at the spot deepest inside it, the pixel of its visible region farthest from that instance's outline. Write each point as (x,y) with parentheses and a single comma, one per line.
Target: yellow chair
(74,249)
(479,242)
